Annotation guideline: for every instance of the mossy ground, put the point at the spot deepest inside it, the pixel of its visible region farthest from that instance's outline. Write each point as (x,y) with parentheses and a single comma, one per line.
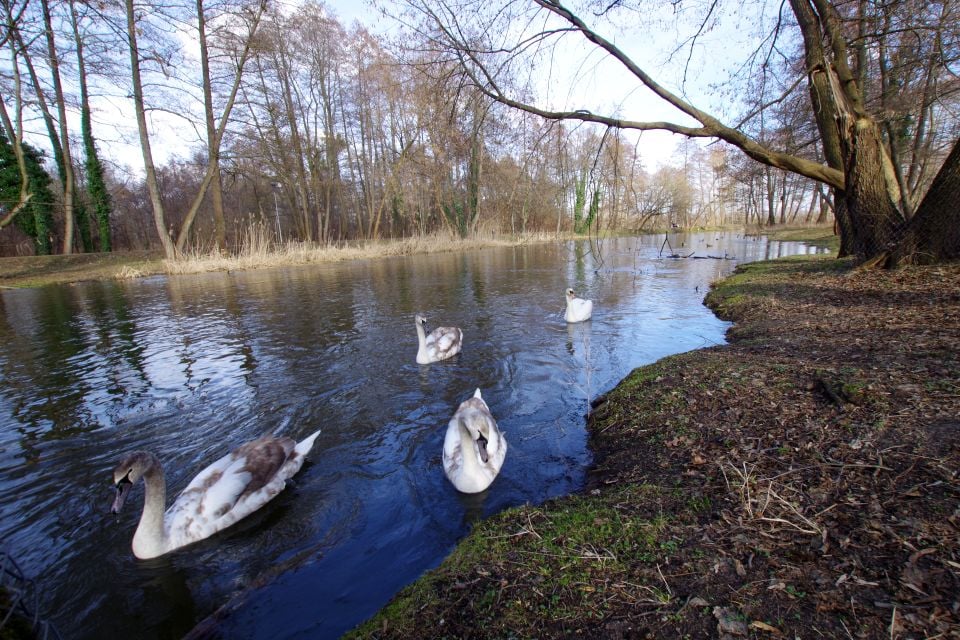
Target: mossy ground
(802,481)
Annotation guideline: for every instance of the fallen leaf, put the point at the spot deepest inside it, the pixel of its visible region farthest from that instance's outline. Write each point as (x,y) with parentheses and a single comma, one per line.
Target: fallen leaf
(763,626)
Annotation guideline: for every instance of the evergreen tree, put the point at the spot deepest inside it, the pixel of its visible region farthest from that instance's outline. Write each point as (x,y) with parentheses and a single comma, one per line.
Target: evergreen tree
(36,219)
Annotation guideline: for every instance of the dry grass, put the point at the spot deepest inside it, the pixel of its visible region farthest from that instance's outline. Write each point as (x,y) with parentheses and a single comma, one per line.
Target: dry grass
(258,250)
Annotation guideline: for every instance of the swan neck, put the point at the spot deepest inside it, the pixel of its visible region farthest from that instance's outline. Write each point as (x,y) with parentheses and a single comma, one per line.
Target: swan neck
(150,537)
(468,446)
(421,334)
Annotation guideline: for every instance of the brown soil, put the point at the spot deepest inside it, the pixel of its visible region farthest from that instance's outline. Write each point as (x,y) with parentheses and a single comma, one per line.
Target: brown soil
(802,481)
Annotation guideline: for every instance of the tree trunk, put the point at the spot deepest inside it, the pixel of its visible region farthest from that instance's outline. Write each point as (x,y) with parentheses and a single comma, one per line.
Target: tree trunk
(933,234)
(14,133)
(96,184)
(169,249)
(771,188)
(213,147)
(874,217)
(212,178)
(67,173)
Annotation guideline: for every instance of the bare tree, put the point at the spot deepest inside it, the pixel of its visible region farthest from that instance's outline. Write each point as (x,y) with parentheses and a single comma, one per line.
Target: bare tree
(857,165)
(150,169)
(13,127)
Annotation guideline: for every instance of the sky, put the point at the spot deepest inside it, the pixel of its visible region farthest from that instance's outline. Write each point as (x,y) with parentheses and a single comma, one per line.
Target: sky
(170,137)
(578,77)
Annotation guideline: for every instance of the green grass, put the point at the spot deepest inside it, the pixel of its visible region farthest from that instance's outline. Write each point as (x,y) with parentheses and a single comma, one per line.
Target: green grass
(581,546)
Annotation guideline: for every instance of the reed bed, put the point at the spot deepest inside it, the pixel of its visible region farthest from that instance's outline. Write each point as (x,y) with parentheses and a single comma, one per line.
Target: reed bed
(258,250)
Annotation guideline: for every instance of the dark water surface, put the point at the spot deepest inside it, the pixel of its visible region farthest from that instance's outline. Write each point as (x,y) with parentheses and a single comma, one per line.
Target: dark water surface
(192,366)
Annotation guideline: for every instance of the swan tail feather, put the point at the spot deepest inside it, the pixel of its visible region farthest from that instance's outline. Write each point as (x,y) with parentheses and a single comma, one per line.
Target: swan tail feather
(304,446)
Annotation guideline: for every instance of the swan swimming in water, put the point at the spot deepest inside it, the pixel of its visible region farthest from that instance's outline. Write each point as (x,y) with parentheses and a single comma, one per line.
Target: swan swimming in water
(578,309)
(231,488)
(473,448)
(439,344)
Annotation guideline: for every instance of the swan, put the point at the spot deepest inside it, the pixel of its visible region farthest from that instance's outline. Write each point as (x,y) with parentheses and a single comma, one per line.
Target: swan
(578,309)
(229,489)
(440,344)
(474,447)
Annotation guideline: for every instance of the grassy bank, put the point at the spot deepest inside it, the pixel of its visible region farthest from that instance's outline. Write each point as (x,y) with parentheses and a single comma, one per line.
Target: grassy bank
(36,271)
(257,252)
(801,481)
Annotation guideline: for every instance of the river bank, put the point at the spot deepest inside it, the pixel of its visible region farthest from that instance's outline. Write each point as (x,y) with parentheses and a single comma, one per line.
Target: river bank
(801,481)
(258,253)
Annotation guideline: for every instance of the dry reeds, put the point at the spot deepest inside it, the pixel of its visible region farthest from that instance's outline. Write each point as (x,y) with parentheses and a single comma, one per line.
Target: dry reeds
(762,504)
(259,250)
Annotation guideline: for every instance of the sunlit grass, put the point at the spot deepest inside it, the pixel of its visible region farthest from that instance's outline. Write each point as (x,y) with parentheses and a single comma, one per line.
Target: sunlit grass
(258,250)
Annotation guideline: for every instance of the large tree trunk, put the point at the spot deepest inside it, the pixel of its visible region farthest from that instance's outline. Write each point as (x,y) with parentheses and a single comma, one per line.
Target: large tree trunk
(212,179)
(13,129)
(874,217)
(169,249)
(213,144)
(933,234)
(96,184)
(865,207)
(67,169)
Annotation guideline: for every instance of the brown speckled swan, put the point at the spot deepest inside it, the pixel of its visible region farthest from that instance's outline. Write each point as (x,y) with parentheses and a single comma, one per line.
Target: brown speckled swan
(231,488)
(439,344)
(473,448)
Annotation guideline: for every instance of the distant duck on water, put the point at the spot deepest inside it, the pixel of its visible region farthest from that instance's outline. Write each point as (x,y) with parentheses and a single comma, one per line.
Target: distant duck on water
(439,344)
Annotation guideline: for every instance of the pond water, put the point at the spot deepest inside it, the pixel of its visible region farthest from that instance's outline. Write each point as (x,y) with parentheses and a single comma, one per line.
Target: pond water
(190,367)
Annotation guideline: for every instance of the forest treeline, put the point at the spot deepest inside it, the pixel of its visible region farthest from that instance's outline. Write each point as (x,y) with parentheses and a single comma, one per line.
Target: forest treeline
(309,130)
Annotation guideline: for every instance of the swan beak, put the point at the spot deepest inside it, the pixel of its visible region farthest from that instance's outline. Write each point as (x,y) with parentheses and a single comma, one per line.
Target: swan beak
(123,488)
(482,446)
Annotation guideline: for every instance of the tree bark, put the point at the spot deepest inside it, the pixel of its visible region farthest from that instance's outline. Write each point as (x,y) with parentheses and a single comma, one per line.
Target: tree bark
(169,249)
(933,234)
(876,220)
(14,129)
(96,184)
(213,147)
(67,169)
(211,177)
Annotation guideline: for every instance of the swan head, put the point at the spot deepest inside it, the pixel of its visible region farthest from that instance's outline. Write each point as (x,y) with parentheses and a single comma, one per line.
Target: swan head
(421,320)
(570,294)
(480,433)
(482,448)
(127,473)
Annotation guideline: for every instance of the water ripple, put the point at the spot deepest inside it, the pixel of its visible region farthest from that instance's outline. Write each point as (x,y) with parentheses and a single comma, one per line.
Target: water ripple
(189,367)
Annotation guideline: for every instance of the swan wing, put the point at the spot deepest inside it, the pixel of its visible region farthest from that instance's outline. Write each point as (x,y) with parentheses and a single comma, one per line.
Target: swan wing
(498,453)
(579,310)
(452,450)
(445,341)
(229,489)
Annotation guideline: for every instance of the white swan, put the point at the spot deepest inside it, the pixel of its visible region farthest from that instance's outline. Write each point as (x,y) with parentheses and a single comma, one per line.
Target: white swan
(440,344)
(578,309)
(474,447)
(231,488)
